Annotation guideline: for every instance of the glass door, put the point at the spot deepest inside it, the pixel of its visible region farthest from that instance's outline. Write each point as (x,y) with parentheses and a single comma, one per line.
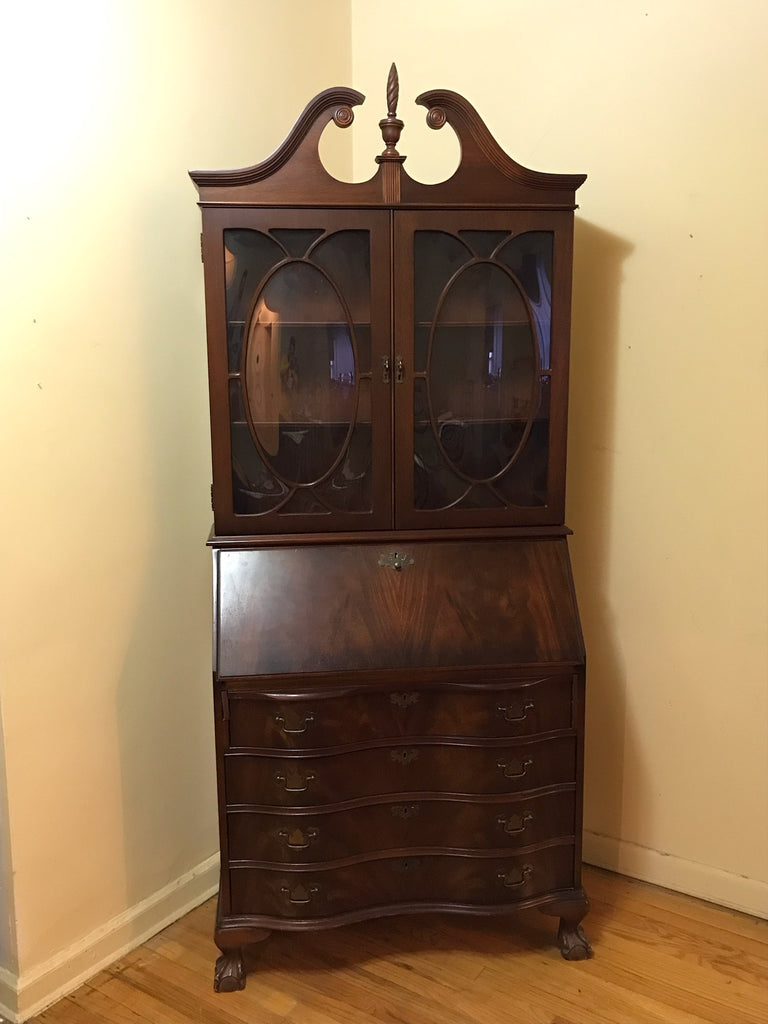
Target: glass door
(480,440)
(306,320)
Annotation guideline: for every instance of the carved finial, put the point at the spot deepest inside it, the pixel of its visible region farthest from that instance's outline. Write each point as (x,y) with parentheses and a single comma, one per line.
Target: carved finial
(393,92)
(391,126)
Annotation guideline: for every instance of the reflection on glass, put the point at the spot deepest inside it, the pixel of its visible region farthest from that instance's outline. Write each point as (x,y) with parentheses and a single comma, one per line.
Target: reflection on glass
(483,243)
(481,418)
(529,257)
(299,374)
(299,371)
(482,374)
(255,488)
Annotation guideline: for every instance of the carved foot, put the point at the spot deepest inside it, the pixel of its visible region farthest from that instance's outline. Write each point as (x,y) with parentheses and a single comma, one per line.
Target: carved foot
(571,908)
(230,972)
(574,944)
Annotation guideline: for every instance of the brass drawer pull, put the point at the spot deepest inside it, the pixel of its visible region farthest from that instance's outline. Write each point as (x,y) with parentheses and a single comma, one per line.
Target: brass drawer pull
(510,714)
(386,370)
(506,877)
(515,823)
(298,840)
(293,781)
(515,771)
(404,757)
(297,726)
(399,370)
(405,811)
(404,700)
(299,893)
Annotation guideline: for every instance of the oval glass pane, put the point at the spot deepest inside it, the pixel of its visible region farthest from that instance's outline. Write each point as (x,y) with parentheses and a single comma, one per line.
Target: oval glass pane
(483,372)
(299,374)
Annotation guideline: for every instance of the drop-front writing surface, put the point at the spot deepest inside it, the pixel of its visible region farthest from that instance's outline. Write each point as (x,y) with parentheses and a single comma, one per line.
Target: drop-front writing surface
(399,672)
(454,604)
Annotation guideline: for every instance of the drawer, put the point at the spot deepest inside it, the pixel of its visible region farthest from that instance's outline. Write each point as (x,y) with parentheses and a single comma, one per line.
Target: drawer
(519,708)
(450,882)
(317,836)
(310,779)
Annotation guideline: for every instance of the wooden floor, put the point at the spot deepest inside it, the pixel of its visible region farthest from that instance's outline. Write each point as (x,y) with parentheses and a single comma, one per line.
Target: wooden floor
(659,956)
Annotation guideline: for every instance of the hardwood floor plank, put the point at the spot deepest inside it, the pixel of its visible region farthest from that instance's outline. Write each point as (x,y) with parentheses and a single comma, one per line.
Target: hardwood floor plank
(149,1007)
(98,1002)
(192,992)
(68,1011)
(660,958)
(624,893)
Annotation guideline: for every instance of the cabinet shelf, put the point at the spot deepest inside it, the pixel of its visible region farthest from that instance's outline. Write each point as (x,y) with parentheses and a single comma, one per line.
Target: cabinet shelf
(307,323)
(490,324)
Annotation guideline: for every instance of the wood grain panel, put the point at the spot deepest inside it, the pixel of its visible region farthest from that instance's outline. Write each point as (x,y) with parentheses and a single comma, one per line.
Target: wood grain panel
(334,608)
(444,880)
(519,708)
(311,780)
(317,835)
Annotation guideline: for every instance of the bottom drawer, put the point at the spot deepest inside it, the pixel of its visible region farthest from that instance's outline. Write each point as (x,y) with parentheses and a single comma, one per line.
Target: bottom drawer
(442,880)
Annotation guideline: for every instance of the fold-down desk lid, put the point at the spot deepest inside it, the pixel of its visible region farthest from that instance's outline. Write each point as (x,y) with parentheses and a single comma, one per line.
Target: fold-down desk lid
(352,607)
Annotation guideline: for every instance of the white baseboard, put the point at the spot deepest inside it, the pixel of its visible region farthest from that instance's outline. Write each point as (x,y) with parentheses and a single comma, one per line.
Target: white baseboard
(749,895)
(23,996)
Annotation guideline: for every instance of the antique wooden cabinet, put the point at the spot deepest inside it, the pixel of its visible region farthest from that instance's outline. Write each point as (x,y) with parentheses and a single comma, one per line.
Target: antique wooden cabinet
(398,663)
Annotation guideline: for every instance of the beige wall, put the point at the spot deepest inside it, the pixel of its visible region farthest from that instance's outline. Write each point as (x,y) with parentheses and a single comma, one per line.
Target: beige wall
(105,642)
(662,103)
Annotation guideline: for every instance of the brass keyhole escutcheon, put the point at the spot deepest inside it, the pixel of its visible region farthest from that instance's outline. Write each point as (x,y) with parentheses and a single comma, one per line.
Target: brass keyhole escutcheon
(396,560)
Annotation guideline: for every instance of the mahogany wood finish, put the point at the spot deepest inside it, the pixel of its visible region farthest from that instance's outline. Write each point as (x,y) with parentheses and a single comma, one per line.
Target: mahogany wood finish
(398,662)
(460,604)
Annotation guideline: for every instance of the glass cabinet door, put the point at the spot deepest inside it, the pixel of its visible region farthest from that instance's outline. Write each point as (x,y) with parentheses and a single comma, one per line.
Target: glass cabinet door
(474,309)
(307,324)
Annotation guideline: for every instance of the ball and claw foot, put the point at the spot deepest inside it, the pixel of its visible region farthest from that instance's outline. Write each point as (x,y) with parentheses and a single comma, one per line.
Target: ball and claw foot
(230,972)
(574,944)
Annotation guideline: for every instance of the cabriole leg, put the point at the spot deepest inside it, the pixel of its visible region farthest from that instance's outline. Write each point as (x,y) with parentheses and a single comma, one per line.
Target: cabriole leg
(229,975)
(573,943)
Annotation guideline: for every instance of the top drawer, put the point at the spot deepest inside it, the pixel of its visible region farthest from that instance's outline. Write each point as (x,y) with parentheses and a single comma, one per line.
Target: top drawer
(519,708)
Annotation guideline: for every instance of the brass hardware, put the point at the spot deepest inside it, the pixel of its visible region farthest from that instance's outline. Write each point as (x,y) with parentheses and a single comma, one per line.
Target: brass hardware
(405,756)
(294,781)
(509,773)
(399,369)
(386,370)
(405,811)
(298,840)
(301,724)
(395,560)
(505,876)
(299,893)
(515,823)
(403,700)
(507,712)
